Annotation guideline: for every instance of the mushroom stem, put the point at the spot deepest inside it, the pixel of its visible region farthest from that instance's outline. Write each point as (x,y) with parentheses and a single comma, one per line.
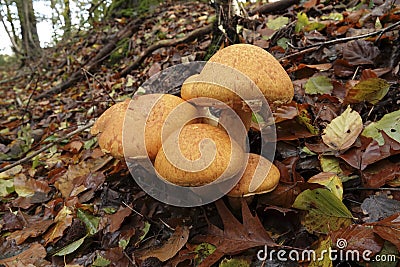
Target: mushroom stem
(227,121)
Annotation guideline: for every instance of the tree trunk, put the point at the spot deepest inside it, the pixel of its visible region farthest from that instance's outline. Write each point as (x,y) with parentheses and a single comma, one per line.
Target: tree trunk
(30,38)
(67,19)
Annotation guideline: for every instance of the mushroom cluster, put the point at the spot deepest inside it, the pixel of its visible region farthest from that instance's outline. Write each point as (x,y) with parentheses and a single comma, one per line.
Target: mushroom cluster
(183,146)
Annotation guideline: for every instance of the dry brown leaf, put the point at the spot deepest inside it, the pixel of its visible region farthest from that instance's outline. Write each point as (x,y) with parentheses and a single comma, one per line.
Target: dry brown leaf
(33,256)
(236,237)
(63,220)
(389,229)
(171,247)
(35,227)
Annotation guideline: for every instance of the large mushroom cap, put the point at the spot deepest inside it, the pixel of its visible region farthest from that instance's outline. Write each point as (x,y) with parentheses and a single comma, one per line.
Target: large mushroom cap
(261,67)
(109,128)
(266,171)
(148,113)
(252,61)
(207,151)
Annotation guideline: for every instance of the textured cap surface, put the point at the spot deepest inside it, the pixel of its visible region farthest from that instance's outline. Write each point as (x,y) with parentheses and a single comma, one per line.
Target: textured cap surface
(254,62)
(207,152)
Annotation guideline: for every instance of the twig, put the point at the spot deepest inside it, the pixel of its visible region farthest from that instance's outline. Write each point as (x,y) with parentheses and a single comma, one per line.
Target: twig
(313,47)
(163,43)
(58,140)
(273,7)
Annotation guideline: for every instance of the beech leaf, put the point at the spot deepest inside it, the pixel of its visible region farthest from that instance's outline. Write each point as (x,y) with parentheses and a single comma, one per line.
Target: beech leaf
(68,249)
(342,131)
(331,181)
(174,244)
(371,90)
(388,229)
(278,23)
(360,52)
(326,212)
(358,238)
(91,222)
(390,124)
(318,85)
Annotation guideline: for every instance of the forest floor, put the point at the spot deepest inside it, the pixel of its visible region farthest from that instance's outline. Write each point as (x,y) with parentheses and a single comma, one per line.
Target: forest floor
(66,203)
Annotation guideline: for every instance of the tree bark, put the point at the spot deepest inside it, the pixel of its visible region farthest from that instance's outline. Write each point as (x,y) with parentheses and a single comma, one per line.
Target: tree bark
(67,19)
(30,38)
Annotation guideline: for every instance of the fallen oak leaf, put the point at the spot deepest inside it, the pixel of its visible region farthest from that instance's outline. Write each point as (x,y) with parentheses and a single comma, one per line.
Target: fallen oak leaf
(236,237)
(173,245)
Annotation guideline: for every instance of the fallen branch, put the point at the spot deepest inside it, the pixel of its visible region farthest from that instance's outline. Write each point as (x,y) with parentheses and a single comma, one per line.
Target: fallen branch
(273,7)
(163,43)
(313,47)
(58,140)
(100,56)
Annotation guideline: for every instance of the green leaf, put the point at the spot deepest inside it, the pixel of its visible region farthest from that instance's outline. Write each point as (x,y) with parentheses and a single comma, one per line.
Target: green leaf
(71,247)
(283,42)
(6,187)
(331,181)
(330,164)
(145,230)
(202,251)
(318,85)
(371,90)
(302,21)
(323,201)
(304,119)
(314,26)
(333,16)
(322,258)
(390,124)
(234,263)
(101,262)
(326,212)
(89,143)
(278,23)
(343,130)
(257,118)
(91,222)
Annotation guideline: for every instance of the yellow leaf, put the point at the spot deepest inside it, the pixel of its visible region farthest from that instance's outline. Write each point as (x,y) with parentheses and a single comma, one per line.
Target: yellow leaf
(343,131)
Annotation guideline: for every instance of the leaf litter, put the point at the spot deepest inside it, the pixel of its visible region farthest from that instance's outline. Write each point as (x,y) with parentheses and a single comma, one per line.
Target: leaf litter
(79,203)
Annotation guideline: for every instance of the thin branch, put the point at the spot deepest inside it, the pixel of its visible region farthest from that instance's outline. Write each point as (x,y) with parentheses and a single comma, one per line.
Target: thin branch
(273,7)
(58,140)
(163,43)
(313,47)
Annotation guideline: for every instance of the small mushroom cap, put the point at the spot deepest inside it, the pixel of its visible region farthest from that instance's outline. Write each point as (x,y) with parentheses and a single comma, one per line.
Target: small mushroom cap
(255,63)
(207,151)
(149,114)
(266,171)
(109,129)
